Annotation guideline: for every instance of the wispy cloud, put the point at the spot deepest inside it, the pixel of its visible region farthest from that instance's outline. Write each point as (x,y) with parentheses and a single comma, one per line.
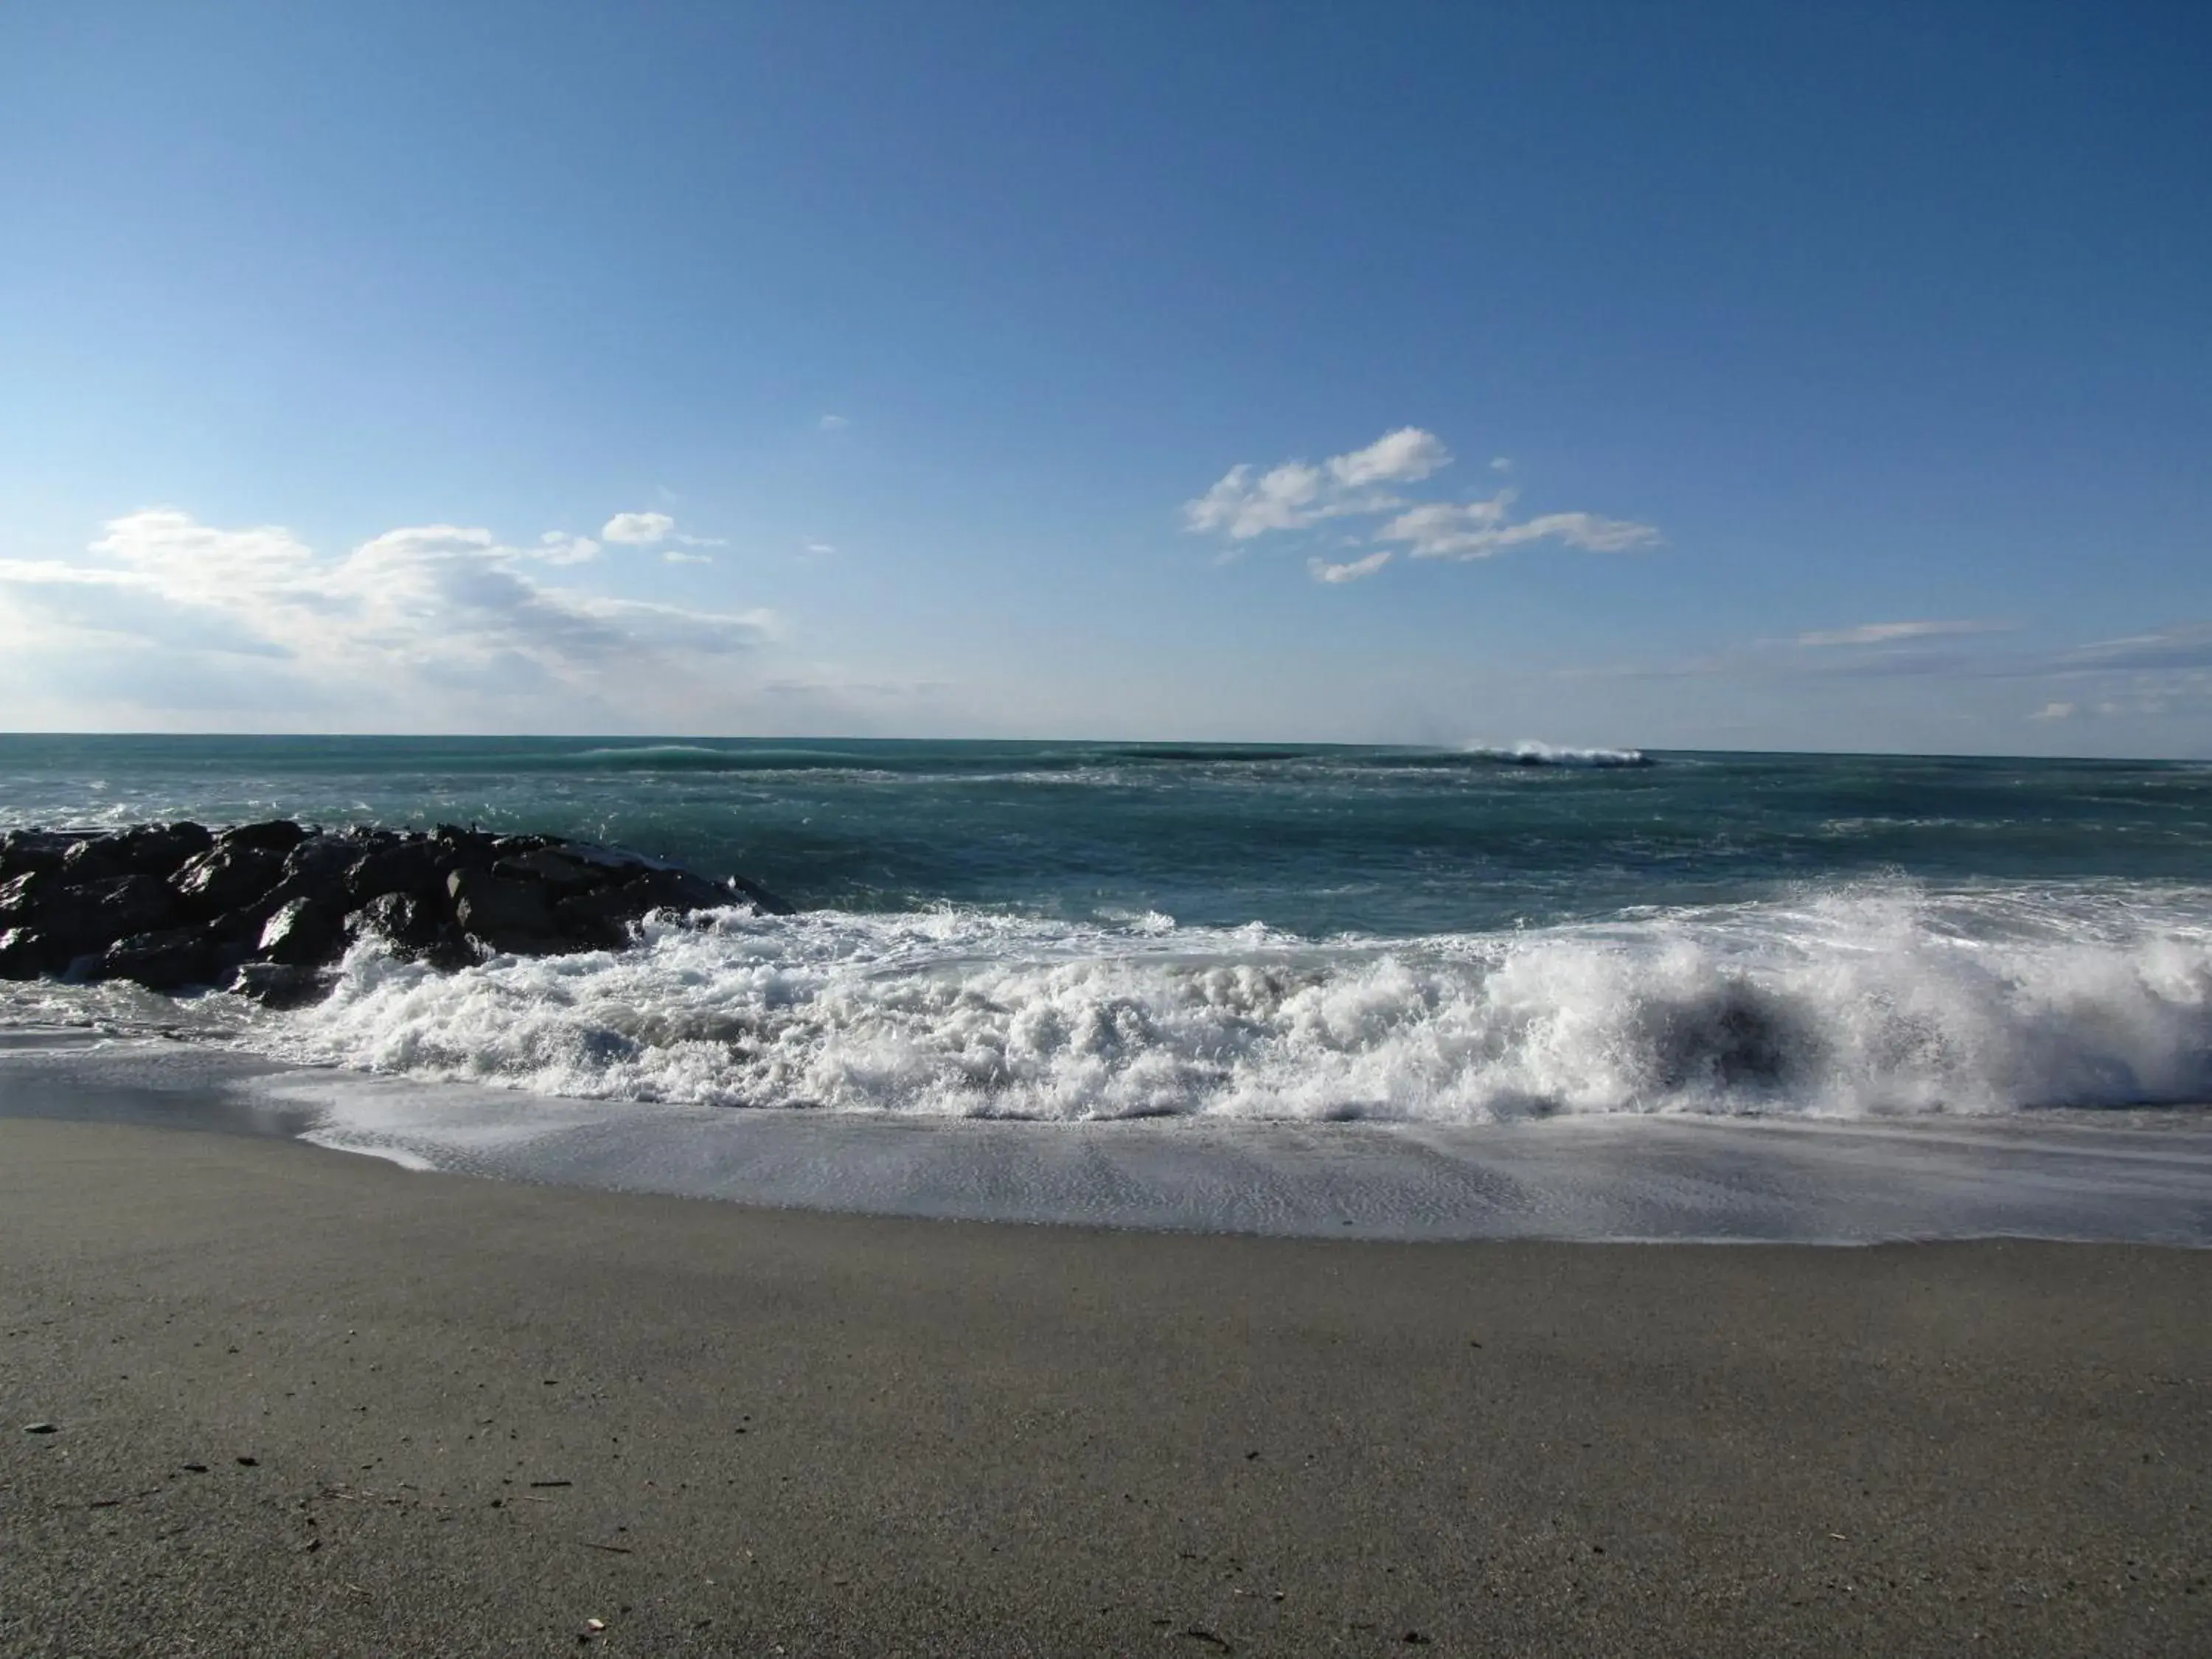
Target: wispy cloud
(1247,502)
(1351,571)
(673,556)
(1890,633)
(638,529)
(2185,646)
(1481,530)
(2054,711)
(832,423)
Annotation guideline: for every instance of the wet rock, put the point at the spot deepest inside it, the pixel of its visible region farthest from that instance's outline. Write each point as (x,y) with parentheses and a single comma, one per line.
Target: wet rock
(304,932)
(22,851)
(760,898)
(279,985)
(26,953)
(566,871)
(599,920)
(401,920)
(409,868)
(169,960)
(274,835)
(154,849)
(92,914)
(674,890)
(266,908)
(509,917)
(92,859)
(228,877)
(23,897)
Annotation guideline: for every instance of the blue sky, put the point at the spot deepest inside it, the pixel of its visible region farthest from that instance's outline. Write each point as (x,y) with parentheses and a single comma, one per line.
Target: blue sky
(1758,376)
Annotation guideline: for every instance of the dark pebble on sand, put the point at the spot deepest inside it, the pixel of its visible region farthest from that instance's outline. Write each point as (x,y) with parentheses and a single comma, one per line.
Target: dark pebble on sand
(195,1469)
(249,1462)
(38,1428)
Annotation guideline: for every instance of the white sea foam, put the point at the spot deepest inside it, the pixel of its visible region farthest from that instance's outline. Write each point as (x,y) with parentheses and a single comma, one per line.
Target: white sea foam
(1530,752)
(1849,1002)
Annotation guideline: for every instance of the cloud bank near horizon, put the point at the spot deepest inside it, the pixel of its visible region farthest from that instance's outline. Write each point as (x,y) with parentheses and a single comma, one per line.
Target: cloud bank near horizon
(422,623)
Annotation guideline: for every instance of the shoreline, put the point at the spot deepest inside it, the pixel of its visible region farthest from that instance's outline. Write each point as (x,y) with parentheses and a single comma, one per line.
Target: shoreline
(480,1413)
(2141,1177)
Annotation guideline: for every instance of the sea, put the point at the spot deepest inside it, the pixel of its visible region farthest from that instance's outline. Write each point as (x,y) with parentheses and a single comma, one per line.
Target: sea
(1209,968)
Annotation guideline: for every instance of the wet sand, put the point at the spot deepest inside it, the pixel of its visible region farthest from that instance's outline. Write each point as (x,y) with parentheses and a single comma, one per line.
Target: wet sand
(302,1402)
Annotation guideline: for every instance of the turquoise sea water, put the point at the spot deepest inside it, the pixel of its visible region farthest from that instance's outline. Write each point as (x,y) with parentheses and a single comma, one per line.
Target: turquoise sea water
(1069,930)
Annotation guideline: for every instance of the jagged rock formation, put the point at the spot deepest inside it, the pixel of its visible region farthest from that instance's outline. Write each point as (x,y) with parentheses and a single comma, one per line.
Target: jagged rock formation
(264,909)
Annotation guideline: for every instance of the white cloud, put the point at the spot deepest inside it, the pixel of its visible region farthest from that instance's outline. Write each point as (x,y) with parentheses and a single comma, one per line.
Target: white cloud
(1478,530)
(833,423)
(424,618)
(1405,456)
(821,547)
(672,556)
(1351,571)
(1886,633)
(1241,507)
(703,541)
(1501,463)
(557,548)
(638,529)
(2054,711)
(1246,502)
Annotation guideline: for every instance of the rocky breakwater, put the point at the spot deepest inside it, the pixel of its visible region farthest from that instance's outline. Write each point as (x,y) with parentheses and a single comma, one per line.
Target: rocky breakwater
(265,909)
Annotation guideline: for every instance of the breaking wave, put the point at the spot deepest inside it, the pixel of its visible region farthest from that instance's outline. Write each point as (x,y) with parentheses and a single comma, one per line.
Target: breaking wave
(1851,1001)
(1530,752)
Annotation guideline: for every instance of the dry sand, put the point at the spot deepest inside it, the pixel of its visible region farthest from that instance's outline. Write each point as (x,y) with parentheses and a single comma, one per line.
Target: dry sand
(307,1403)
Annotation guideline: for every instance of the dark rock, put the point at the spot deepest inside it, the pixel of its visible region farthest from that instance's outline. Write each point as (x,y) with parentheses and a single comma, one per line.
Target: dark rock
(174,905)
(22,851)
(21,897)
(598,922)
(274,835)
(566,870)
(94,915)
(760,899)
(26,953)
(280,985)
(511,917)
(166,960)
(412,867)
(409,924)
(155,849)
(319,864)
(667,889)
(304,933)
(93,859)
(228,877)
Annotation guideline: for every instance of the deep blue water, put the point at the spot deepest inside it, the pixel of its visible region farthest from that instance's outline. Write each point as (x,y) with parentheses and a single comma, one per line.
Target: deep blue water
(1317,840)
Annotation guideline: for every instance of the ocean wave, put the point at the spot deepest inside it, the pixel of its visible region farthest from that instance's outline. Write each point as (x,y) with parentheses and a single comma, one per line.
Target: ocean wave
(1530,752)
(1854,1001)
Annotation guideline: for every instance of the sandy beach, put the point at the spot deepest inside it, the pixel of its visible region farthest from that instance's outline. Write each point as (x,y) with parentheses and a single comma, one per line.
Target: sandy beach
(300,1402)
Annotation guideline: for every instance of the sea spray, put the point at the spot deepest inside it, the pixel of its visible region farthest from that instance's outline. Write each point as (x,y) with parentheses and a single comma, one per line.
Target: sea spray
(1845,1000)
